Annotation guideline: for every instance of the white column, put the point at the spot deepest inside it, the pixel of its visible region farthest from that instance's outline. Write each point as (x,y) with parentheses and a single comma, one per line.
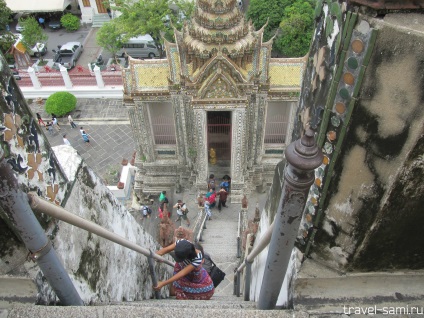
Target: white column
(238,154)
(202,151)
(99,78)
(34,79)
(65,75)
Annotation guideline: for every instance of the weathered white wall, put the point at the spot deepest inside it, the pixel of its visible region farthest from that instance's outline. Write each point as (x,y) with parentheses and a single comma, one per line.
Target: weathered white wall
(101,270)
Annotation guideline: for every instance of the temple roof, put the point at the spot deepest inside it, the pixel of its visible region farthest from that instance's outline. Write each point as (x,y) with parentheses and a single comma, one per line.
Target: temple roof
(219,24)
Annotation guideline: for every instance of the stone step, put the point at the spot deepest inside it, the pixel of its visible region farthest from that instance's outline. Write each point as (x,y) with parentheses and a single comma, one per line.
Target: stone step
(358,292)
(99,20)
(162,308)
(16,290)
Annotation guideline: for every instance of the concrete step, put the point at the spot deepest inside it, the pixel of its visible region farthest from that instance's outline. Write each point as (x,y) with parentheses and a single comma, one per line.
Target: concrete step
(160,308)
(377,290)
(99,20)
(16,290)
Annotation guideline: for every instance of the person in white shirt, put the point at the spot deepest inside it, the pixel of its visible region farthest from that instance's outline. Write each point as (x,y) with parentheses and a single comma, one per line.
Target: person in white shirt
(66,141)
(71,121)
(181,211)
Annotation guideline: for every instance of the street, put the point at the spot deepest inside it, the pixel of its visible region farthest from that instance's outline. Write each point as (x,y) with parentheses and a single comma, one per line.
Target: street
(61,36)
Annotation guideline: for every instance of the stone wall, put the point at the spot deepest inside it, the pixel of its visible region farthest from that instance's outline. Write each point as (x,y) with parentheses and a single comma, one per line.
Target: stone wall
(101,271)
(363,94)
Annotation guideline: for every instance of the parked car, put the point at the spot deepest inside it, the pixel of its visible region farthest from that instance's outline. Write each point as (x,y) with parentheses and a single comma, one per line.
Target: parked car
(54,21)
(68,54)
(39,49)
(19,28)
(139,47)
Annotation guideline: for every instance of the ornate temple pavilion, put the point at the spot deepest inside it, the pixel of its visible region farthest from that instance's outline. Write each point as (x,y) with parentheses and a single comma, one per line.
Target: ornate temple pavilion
(217,88)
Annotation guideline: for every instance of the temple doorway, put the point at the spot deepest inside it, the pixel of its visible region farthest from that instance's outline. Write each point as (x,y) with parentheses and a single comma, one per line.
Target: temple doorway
(219,137)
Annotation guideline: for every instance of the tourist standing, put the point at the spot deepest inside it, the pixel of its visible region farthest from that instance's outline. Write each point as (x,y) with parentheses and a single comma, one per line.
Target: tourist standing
(49,127)
(40,120)
(66,141)
(181,212)
(71,121)
(41,21)
(55,123)
(222,198)
(85,137)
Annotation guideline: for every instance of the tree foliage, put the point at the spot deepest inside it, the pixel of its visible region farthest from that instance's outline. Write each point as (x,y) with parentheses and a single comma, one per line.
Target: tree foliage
(60,103)
(296,29)
(260,11)
(143,17)
(70,22)
(109,36)
(5,15)
(32,33)
(6,41)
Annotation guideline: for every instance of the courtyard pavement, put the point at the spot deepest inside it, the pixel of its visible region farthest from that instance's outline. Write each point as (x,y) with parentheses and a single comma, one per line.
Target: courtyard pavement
(107,123)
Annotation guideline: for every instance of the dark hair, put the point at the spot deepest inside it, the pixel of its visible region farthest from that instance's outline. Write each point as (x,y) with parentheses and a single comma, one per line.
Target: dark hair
(163,192)
(198,246)
(184,250)
(180,201)
(64,136)
(211,176)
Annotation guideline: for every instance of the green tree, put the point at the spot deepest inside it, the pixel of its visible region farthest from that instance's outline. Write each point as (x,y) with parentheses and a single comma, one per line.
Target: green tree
(70,22)
(144,17)
(260,11)
(109,37)
(60,103)
(296,29)
(5,15)
(184,12)
(32,34)
(6,41)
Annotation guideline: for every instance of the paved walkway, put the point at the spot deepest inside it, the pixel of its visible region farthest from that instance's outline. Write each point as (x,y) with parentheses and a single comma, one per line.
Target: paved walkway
(106,121)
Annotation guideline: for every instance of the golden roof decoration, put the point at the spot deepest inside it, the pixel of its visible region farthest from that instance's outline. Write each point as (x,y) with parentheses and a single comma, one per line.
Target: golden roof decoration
(219,22)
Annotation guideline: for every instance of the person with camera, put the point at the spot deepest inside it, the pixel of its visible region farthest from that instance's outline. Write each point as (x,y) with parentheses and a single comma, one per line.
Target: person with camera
(181,211)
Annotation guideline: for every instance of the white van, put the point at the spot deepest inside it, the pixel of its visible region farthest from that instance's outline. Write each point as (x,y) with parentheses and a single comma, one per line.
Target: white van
(139,47)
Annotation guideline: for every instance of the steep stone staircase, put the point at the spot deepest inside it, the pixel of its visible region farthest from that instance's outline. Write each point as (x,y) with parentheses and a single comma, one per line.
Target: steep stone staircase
(100,19)
(217,307)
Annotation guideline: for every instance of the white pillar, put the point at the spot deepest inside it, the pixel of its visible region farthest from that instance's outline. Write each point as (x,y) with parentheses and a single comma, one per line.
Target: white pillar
(99,78)
(202,161)
(65,75)
(34,79)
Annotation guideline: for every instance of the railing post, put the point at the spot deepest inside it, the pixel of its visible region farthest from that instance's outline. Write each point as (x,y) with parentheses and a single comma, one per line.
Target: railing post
(302,156)
(34,79)
(66,78)
(247,276)
(153,274)
(99,78)
(238,284)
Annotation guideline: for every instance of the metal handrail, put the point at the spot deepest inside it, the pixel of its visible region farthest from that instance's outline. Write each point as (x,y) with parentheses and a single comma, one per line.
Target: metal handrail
(239,234)
(265,239)
(43,206)
(264,242)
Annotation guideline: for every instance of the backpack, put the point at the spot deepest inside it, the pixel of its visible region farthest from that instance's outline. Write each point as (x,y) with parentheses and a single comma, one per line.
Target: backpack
(149,210)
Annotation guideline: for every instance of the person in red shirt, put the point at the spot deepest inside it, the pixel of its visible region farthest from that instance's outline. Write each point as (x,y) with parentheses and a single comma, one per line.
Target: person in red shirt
(222,198)
(211,198)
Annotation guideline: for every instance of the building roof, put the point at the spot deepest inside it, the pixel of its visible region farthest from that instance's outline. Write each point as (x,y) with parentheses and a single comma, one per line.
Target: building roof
(37,6)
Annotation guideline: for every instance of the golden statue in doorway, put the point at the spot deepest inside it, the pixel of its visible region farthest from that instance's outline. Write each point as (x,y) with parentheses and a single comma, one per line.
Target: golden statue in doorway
(212,155)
